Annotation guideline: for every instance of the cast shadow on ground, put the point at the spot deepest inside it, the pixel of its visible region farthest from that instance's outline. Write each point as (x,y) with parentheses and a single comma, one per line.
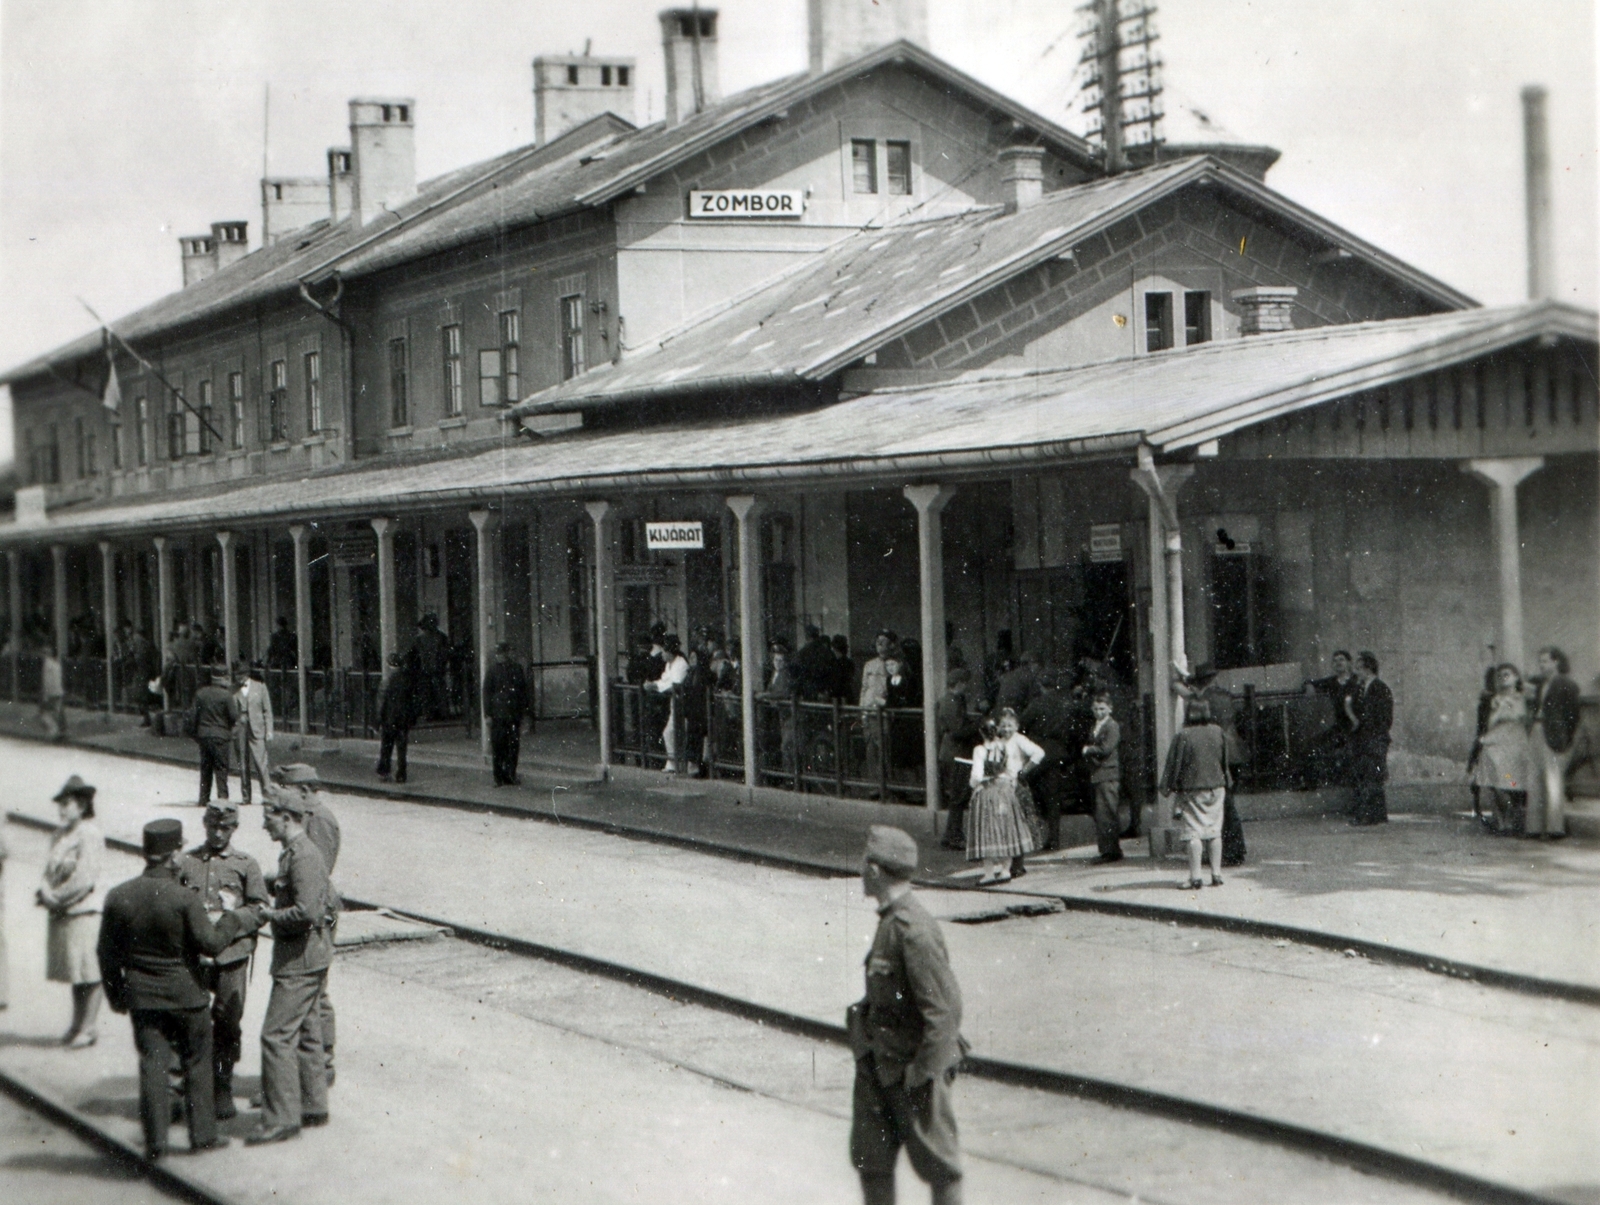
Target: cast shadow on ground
(37,1041)
(69,1164)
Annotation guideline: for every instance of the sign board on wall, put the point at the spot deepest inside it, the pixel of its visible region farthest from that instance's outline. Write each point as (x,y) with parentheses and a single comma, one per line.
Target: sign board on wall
(646,575)
(747,203)
(675,534)
(1105,542)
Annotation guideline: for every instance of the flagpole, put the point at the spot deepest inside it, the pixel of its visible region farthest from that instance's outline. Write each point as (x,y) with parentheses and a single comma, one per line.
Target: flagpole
(153,371)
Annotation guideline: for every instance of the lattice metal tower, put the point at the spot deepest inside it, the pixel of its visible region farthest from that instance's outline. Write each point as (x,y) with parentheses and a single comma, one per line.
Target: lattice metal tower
(1119,62)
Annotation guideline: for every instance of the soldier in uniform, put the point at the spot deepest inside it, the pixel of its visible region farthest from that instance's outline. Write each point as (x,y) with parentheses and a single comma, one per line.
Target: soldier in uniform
(226,878)
(322,826)
(294,1085)
(152,936)
(905,1035)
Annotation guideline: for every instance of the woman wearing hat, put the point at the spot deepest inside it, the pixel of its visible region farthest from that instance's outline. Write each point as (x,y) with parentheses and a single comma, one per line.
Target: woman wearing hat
(70,889)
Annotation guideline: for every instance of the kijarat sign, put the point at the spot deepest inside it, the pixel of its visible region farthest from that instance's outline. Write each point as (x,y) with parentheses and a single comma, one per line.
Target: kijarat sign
(681,534)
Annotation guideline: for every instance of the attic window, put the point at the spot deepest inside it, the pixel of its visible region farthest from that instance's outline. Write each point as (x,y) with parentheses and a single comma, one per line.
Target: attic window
(1157,321)
(864,165)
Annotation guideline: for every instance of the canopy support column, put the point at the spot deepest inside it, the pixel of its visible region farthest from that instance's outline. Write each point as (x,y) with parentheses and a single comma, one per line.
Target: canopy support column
(482,524)
(302,621)
(744,510)
(58,558)
(163,611)
(930,501)
(387,636)
(1502,474)
(230,600)
(108,602)
(604,657)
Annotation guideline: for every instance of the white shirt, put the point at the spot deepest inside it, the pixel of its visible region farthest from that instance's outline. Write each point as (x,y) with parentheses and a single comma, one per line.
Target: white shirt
(1020,752)
(677,669)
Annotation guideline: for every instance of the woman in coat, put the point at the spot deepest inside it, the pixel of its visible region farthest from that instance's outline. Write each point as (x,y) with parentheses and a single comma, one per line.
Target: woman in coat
(70,889)
(1197,772)
(997,825)
(1505,758)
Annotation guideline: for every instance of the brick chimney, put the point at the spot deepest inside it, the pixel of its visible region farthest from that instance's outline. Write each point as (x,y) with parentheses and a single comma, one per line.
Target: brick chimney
(341,182)
(199,257)
(383,146)
(1021,176)
(691,54)
(568,90)
(839,30)
(1265,309)
(232,241)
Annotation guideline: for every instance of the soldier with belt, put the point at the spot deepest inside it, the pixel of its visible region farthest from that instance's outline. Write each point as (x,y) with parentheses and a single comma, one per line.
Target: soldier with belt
(226,878)
(322,826)
(153,934)
(905,1035)
(294,1082)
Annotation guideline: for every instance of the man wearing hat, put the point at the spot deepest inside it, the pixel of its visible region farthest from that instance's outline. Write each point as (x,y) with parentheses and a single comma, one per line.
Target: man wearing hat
(211,718)
(225,879)
(505,702)
(153,933)
(905,1035)
(322,826)
(254,729)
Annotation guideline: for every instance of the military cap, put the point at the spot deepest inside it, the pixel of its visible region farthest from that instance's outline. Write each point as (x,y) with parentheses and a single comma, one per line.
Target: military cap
(223,807)
(162,837)
(220,675)
(76,788)
(893,849)
(288,803)
(296,774)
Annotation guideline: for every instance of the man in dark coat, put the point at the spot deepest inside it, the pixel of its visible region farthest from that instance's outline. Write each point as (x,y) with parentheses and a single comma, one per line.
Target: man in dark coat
(430,658)
(397,711)
(1103,756)
(1327,759)
(225,879)
(957,726)
(1050,721)
(1019,685)
(814,667)
(283,650)
(212,715)
(153,934)
(905,1035)
(505,702)
(1555,713)
(1372,711)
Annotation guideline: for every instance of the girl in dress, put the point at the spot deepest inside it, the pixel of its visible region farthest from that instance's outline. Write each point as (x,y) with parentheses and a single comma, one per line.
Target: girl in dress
(998,832)
(1505,758)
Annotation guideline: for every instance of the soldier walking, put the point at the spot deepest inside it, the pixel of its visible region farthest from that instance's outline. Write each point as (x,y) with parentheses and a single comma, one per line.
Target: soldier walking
(226,878)
(905,1035)
(152,936)
(212,717)
(294,1082)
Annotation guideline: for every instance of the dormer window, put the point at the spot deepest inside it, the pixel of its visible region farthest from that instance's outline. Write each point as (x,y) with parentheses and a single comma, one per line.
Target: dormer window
(1157,321)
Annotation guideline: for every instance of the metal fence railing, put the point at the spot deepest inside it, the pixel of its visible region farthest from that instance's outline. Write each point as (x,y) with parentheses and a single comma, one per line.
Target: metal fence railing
(1280,731)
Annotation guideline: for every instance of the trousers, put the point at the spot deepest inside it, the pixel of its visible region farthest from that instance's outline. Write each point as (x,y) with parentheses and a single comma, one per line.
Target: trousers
(1107,827)
(505,740)
(162,1036)
(1548,814)
(1368,769)
(213,765)
(294,1072)
(227,986)
(885,1117)
(395,739)
(252,757)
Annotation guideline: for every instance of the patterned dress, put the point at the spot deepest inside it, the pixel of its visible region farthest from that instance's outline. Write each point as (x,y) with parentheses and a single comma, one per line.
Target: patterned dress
(1001,819)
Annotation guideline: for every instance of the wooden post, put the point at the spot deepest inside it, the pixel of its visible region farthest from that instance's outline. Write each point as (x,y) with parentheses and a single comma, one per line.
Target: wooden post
(604,660)
(387,636)
(1502,474)
(482,524)
(930,501)
(302,621)
(230,600)
(108,601)
(744,511)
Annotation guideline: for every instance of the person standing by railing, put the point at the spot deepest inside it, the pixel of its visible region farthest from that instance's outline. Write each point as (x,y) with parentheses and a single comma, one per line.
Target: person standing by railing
(53,697)
(397,711)
(1372,708)
(675,668)
(874,696)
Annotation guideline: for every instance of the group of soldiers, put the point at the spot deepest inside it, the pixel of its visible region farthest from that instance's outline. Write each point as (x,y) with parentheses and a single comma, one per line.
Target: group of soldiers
(176,950)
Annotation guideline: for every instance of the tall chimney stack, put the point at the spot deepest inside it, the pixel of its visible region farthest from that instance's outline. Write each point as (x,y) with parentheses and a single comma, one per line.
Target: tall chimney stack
(569,90)
(341,182)
(839,30)
(1536,175)
(689,41)
(382,139)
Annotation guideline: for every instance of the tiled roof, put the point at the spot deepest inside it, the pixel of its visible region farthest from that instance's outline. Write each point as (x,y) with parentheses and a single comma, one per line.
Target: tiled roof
(1172,400)
(876,285)
(602,159)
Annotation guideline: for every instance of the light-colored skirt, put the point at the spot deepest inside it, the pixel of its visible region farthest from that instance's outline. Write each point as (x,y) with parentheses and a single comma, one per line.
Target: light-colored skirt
(70,949)
(1505,760)
(1202,813)
(996,824)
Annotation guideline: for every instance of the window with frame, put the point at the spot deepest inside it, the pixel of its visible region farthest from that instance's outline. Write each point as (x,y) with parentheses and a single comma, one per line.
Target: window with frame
(897,168)
(311,363)
(399,400)
(1196,318)
(116,445)
(864,165)
(191,429)
(175,430)
(236,410)
(452,370)
(278,401)
(572,348)
(83,463)
(1157,321)
(206,421)
(91,459)
(511,355)
(141,418)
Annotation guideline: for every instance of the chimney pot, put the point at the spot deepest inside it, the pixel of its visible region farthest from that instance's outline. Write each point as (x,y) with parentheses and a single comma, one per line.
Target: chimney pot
(290,203)
(199,253)
(1021,176)
(840,30)
(691,85)
(1265,309)
(569,90)
(383,155)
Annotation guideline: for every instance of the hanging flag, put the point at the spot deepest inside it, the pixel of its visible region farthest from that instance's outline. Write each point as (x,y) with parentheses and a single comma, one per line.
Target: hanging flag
(111,399)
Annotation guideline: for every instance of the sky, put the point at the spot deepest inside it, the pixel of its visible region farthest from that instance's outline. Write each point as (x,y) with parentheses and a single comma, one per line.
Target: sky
(126,125)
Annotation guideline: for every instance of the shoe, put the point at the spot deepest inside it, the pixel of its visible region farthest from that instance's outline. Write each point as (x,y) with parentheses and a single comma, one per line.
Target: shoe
(1191,885)
(1354,823)
(281,1134)
(989,880)
(1019,872)
(383,775)
(82,1041)
(154,1156)
(216,1144)
(1107,859)
(1216,880)
(400,778)
(226,1109)
(312,1120)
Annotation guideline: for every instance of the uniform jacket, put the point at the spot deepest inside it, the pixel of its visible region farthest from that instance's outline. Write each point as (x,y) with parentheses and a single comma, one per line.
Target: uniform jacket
(322,826)
(1558,712)
(1374,708)
(910,1019)
(1105,762)
(505,691)
(303,910)
(209,873)
(255,705)
(214,712)
(815,669)
(397,707)
(152,936)
(1197,760)
(1019,686)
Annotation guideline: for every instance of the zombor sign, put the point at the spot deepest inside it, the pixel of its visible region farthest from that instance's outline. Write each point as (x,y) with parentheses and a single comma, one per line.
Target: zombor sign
(747,203)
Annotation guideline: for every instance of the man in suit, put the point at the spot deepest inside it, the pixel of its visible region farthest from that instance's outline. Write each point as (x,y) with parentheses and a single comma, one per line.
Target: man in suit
(505,702)
(294,1085)
(1104,760)
(1371,711)
(153,934)
(905,1035)
(254,730)
(396,714)
(1555,714)
(212,717)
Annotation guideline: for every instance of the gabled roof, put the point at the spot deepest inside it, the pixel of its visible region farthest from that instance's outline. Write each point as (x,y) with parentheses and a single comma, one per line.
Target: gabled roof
(586,167)
(877,285)
(1171,400)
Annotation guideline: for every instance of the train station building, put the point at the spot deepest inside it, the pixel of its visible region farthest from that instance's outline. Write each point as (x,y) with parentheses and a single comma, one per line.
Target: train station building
(883,349)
